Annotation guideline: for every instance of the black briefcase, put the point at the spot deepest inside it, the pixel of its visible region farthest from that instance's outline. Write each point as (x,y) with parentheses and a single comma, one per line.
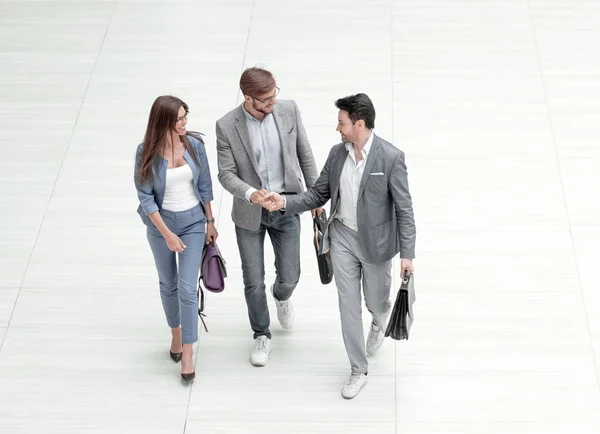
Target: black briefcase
(402,316)
(323,258)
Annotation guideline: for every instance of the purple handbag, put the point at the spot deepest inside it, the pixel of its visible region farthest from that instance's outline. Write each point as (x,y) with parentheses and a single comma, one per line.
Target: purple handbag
(213,273)
(212,268)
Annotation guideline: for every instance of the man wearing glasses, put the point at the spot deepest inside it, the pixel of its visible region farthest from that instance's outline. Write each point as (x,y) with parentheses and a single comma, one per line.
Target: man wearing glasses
(262,147)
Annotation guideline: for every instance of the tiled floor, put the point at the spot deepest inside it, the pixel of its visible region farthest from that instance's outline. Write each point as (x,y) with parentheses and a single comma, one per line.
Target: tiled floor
(496,105)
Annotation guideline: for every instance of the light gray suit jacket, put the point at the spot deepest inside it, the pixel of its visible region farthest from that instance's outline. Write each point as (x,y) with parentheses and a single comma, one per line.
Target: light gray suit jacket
(238,168)
(386,223)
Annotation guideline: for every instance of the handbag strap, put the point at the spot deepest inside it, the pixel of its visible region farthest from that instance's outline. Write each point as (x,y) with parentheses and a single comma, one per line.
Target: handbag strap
(201,313)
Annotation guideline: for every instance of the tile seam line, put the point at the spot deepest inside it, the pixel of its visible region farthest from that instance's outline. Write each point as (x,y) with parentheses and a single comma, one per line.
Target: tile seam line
(220,207)
(58,174)
(564,195)
(394,268)
(187,412)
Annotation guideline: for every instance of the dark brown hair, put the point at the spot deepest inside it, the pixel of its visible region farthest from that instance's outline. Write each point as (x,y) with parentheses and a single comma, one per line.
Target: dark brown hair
(255,81)
(162,120)
(359,107)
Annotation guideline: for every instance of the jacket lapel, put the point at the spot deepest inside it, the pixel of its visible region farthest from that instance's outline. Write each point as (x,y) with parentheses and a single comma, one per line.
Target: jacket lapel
(369,166)
(242,129)
(190,161)
(283,128)
(336,174)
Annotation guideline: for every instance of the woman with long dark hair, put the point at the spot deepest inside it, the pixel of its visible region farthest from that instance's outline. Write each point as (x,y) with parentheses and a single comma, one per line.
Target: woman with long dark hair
(174,187)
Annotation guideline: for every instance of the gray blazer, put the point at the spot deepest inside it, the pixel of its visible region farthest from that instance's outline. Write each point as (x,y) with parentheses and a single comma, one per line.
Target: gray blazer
(386,223)
(238,168)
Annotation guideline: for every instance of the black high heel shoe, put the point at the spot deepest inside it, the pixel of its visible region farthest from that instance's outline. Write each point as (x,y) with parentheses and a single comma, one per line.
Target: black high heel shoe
(176,357)
(188,377)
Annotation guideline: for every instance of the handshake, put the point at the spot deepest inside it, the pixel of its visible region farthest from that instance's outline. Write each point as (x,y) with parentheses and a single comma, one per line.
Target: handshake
(274,201)
(269,200)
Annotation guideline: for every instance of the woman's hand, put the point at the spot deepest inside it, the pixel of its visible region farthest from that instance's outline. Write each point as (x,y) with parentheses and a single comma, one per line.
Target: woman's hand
(174,243)
(211,233)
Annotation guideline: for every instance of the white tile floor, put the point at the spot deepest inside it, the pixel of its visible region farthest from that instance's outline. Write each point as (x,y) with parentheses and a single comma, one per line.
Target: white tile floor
(496,105)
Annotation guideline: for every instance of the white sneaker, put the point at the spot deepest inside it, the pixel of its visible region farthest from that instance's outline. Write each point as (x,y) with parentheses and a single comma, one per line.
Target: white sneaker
(353,386)
(285,312)
(261,350)
(374,340)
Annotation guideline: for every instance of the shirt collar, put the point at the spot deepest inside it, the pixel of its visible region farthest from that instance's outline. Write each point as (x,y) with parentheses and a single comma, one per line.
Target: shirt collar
(366,149)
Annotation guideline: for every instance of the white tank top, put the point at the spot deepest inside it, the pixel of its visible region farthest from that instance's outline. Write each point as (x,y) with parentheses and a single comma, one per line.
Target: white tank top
(179,189)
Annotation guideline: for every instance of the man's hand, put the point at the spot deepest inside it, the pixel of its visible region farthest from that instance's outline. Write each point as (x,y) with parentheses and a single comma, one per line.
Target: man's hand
(258,197)
(273,202)
(316,212)
(406,264)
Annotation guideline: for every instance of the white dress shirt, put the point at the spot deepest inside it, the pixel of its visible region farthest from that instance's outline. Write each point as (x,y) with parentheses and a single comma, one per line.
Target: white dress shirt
(352,173)
(266,145)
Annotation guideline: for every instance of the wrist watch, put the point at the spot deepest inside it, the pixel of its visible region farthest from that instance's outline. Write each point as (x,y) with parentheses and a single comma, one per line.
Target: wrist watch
(211,220)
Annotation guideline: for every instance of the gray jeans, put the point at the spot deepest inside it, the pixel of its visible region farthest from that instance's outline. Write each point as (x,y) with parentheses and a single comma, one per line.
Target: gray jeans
(284,232)
(349,270)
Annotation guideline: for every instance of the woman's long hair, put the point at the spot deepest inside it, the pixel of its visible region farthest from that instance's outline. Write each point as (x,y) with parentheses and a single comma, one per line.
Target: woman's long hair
(162,120)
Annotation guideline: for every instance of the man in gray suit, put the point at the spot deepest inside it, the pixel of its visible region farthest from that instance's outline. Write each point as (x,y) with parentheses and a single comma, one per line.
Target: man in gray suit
(262,146)
(371,221)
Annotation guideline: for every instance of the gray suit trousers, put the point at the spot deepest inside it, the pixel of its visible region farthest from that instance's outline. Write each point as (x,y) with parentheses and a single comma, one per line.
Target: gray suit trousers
(350,270)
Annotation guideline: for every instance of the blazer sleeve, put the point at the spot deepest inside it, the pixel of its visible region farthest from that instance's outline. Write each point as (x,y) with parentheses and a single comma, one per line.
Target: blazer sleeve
(145,191)
(315,197)
(405,219)
(228,174)
(304,151)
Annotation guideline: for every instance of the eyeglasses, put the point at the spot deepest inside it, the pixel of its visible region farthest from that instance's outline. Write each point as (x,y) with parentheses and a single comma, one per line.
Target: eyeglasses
(183,118)
(269,99)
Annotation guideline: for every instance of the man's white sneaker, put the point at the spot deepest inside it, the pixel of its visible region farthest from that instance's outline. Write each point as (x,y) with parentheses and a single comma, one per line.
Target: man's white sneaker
(353,386)
(285,312)
(261,350)
(374,340)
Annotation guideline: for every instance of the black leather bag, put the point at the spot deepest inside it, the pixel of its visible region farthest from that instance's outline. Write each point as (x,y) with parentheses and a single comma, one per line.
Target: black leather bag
(323,258)
(402,316)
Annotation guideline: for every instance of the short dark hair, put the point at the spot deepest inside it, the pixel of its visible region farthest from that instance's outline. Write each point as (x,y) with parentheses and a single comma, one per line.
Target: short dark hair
(255,81)
(359,107)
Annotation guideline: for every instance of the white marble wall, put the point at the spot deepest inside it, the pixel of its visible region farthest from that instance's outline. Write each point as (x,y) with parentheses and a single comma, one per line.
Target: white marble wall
(495,104)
